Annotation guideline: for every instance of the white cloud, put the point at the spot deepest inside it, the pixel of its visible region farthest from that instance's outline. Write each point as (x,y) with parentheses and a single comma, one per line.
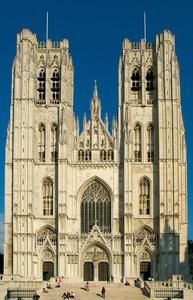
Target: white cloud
(1,232)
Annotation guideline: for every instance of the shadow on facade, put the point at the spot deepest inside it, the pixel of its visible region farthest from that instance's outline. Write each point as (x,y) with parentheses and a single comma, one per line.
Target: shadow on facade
(121,190)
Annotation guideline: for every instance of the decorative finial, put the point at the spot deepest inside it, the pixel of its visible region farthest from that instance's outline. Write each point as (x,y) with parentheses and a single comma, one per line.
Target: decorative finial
(77,126)
(113,123)
(95,92)
(84,120)
(106,121)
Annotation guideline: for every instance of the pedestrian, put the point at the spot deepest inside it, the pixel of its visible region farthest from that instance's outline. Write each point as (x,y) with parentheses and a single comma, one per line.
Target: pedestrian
(36,296)
(112,279)
(87,286)
(103,292)
(68,295)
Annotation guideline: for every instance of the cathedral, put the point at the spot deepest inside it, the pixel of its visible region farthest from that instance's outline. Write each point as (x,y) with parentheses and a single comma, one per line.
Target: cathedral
(107,202)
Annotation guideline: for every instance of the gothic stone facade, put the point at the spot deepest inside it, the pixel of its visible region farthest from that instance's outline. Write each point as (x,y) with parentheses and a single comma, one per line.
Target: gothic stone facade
(95,205)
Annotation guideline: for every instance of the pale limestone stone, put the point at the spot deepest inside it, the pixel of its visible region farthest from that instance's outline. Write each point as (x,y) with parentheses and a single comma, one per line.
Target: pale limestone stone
(163,230)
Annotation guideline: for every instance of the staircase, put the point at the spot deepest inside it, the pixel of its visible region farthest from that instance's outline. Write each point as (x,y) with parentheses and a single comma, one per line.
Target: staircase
(114,291)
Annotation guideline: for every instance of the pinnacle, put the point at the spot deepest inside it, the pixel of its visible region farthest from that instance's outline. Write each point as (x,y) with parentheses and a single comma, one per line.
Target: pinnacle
(95,91)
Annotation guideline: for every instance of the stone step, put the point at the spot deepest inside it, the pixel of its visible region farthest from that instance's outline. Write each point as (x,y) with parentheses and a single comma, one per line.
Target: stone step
(114,291)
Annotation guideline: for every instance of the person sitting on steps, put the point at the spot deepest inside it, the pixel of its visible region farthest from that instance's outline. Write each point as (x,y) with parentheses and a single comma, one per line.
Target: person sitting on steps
(87,286)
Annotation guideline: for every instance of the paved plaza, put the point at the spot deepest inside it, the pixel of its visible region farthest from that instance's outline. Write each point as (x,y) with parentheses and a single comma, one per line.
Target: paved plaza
(114,291)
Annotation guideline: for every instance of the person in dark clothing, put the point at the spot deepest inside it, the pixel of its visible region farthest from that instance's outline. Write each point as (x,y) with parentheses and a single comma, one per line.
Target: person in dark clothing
(36,296)
(103,292)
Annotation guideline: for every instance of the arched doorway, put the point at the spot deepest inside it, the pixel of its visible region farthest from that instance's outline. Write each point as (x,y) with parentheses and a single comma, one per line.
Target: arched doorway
(103,271)
(145,264)
(96,264)
(145,270)
(48,270)
(88,271)
(47,264)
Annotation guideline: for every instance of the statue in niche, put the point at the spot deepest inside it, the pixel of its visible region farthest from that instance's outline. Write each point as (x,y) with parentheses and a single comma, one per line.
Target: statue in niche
(145,256)
(126,135)
(63,131)
(47,58)
(48,255)
(130,136)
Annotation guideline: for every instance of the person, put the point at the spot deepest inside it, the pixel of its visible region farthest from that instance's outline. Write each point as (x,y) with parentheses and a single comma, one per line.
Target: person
(103,292)
(68,295)
(58,283)
(72,295)
(87,286)
(64,295)
(127,283)
(36,296)
(112,279)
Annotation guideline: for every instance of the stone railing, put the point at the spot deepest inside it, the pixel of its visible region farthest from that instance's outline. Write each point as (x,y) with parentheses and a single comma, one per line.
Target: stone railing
(52,44)
(9,283)
(188,285)
(139,283)
(164,289)
(147,288)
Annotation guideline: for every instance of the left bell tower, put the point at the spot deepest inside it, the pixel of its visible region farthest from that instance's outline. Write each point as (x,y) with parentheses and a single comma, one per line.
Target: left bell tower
(18,246)
(41,114)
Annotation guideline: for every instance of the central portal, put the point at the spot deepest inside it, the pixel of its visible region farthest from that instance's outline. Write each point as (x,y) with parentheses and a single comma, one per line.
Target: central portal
(88,271)
(96,265)
(103,271)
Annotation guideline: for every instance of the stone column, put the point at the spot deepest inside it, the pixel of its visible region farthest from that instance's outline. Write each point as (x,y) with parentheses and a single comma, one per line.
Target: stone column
(95,271)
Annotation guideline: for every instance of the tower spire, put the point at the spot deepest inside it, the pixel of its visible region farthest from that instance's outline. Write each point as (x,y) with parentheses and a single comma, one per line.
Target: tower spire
(95,91)
(46,25)
(95,106)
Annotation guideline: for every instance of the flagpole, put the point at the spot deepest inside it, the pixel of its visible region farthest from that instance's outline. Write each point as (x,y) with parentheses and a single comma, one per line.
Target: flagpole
(46,25)
(145,26)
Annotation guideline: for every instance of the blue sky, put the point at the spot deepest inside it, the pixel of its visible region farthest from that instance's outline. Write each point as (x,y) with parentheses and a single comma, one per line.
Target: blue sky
(95,29)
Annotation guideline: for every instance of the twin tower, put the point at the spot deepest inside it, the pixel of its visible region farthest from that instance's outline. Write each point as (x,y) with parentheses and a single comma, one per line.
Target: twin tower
(95,205)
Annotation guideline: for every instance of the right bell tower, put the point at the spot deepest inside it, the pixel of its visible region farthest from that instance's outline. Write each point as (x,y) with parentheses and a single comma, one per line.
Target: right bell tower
(152,157)
(172,160)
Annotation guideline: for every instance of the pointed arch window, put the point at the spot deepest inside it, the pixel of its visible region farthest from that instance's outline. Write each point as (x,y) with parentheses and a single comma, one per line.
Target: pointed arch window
(103,155)
(96,207)
(47,197)
(41,142)
(144,196)
(81,155)
(88,155)
(41,86)
(137,143)
(149,80)
(55,86)
(54,128)
(135,80)
(150,143)
(110,155)
(46,233)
